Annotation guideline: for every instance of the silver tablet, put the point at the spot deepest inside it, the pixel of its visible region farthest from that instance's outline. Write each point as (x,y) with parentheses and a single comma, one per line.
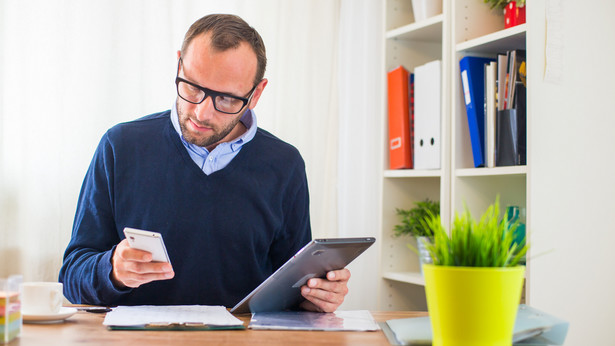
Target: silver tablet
(281,290)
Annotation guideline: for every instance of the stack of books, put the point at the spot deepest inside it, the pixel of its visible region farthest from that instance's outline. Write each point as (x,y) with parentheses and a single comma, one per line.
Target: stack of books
(495,98)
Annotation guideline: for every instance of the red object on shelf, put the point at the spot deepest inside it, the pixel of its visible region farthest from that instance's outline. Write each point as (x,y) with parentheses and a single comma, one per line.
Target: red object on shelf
(400,146)
(513,15)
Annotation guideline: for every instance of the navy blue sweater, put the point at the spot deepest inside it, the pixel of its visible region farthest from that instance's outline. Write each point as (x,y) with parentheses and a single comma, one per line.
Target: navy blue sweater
(225,232)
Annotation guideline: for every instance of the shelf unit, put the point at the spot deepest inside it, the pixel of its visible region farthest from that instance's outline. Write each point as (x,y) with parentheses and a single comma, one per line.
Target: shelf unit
(479,31)
(410,44)
(465,27)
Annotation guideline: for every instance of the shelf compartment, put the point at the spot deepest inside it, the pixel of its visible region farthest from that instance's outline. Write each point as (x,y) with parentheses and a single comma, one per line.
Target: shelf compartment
(480,172)
(429,30)
(406,277)
(412,173)
(499,41)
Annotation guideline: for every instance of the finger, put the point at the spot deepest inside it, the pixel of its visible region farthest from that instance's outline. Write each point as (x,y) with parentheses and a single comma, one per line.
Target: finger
(339,275)
(129,254)
(147,267)
(135,280)
(313,303)
(332,296)
(327,294)
(340,287)
(128,272)
(134,274)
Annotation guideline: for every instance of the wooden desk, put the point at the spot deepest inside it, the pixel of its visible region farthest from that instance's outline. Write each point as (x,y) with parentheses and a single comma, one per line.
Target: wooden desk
(85,328)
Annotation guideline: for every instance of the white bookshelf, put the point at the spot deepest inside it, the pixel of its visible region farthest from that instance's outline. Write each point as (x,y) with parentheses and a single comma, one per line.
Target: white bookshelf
(465,27)
(410,44)
(476,188)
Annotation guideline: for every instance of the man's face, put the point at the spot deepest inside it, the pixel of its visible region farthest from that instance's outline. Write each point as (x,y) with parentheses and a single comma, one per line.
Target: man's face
(230,72)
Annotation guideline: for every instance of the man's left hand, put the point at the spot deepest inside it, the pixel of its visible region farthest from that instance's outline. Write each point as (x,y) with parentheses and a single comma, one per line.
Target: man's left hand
(326,295)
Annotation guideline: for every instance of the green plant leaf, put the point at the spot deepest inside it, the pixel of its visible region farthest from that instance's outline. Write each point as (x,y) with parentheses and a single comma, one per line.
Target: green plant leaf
(411,220)
(487,242)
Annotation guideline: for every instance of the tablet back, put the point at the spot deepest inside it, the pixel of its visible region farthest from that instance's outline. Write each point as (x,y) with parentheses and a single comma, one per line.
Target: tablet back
(281,290)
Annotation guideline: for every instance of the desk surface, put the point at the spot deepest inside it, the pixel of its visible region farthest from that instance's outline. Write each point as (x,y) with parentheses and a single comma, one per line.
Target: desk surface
(86,328)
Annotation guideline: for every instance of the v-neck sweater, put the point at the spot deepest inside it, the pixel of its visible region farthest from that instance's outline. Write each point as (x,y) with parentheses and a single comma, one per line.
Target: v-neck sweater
(225,232)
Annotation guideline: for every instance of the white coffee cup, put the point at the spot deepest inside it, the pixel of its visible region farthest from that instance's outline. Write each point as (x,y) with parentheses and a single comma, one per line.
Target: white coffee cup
(41,298)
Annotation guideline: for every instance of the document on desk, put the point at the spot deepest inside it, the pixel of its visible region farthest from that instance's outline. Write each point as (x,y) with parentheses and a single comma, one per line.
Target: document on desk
(358,320)
(171,317)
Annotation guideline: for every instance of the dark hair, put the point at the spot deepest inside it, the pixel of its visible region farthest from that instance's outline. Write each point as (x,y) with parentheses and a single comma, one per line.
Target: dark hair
(227,32)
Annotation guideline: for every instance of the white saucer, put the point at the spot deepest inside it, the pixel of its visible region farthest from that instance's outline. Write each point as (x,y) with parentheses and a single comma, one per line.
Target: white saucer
(63,314)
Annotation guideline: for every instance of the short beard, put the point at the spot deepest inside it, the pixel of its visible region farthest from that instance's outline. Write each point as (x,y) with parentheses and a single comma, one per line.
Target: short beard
(205,142)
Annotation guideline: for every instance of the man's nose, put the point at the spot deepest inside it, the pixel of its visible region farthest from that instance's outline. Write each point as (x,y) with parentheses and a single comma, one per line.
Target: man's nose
(205,110)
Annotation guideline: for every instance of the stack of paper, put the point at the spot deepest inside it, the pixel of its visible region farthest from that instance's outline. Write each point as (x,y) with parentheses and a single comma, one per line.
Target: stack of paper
(360,320)
(171,317)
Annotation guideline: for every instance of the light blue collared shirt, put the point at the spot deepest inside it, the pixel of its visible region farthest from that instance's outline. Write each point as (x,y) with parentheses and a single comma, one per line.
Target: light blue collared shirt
(223,153)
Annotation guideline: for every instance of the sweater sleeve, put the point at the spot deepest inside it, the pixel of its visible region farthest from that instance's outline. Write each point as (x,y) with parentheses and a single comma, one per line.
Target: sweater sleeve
(86,268)
(297,229)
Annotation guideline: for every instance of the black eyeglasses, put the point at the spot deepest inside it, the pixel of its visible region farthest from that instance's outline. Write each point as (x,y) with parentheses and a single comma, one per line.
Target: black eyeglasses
(223,102)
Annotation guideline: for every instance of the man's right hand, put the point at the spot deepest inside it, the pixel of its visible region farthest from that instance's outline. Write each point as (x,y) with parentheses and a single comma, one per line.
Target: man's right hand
(133,268)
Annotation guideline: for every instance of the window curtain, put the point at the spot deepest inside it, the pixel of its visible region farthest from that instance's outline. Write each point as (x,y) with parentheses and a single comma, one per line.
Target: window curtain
(71,69)
(361,93)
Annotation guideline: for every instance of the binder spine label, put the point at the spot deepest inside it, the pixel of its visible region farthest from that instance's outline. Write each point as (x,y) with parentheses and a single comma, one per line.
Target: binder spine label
(466,86)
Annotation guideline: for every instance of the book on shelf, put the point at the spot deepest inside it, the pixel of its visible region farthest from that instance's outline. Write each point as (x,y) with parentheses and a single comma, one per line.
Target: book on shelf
(411,111)
(473,83)
(515,60)
(400,149)
(490,112)
(427,113)
(511,131)
(501,80)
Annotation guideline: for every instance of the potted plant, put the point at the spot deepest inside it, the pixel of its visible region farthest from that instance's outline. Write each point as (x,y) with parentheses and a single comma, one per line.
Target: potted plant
(474,285)
(413,223)
(514,11)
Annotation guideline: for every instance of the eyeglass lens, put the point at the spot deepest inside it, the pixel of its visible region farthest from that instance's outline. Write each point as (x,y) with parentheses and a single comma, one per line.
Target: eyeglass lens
(222,103)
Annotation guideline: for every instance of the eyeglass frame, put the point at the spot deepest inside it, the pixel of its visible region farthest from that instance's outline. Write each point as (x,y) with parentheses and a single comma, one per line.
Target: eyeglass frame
(211,93)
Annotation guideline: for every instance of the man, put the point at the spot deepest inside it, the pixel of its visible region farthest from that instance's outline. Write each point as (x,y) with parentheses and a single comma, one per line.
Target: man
(230,199)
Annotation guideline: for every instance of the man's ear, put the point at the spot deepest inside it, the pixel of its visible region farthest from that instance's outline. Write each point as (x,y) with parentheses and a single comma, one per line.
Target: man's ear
(257,93)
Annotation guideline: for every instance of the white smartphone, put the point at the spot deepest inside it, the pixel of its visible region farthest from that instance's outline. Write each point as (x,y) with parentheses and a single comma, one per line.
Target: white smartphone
(147,241)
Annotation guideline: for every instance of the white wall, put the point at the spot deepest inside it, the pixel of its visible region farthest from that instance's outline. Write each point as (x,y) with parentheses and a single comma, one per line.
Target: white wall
(572,168)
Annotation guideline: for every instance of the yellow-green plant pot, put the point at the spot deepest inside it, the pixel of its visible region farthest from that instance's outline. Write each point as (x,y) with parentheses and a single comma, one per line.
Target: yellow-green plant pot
(472,305)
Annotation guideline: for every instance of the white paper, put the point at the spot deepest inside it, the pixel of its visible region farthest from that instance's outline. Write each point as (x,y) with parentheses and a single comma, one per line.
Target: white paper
(357,320)
(142,315)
